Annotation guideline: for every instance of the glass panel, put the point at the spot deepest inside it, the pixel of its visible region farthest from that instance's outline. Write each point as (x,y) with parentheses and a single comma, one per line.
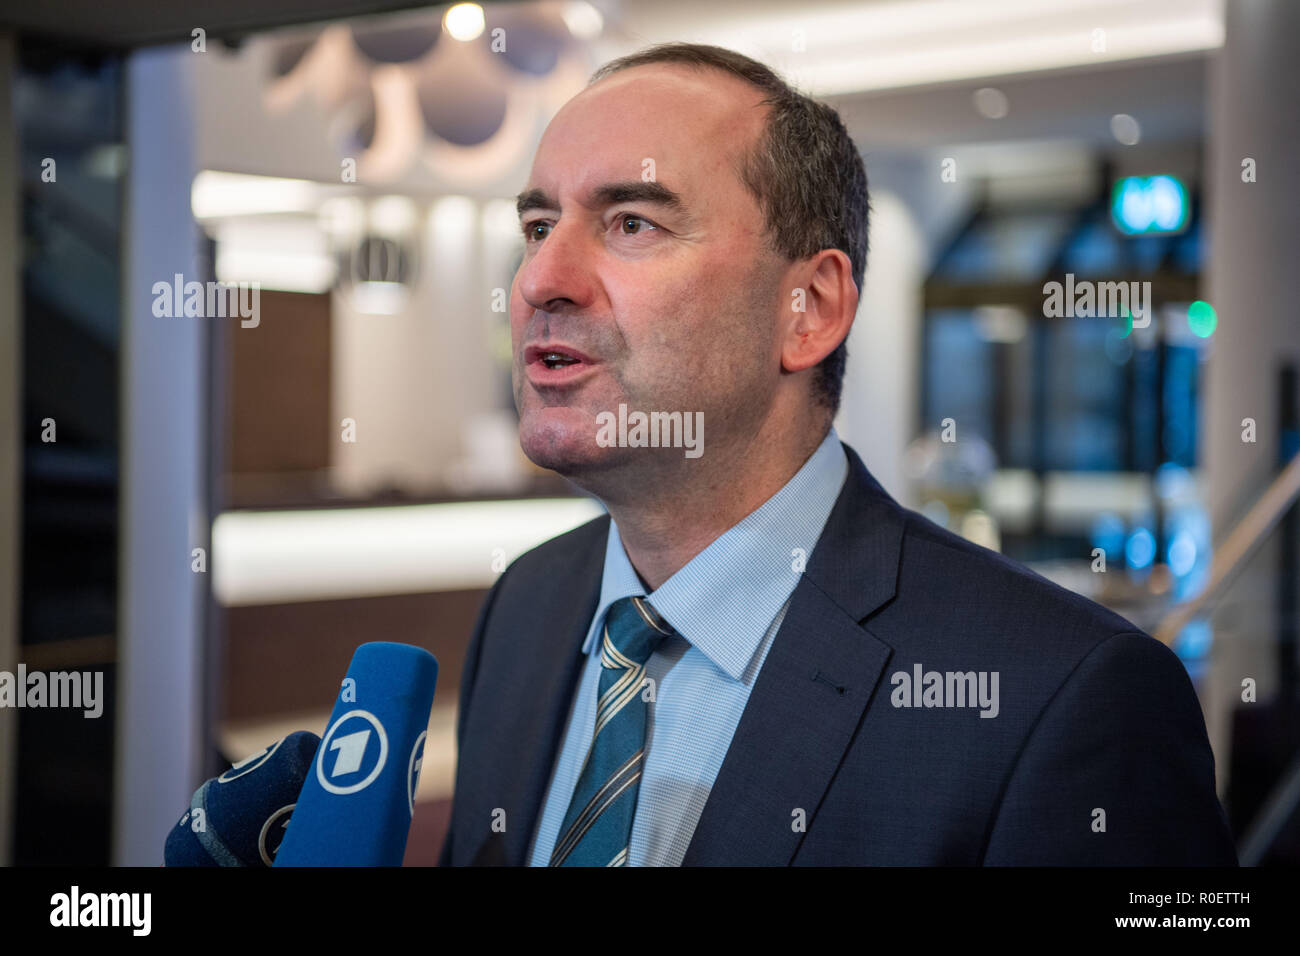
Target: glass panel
(959,373)
(1006,248)
(1242,655)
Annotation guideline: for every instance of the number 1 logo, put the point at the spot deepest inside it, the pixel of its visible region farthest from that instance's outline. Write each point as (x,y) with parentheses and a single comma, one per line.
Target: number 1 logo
(351,749)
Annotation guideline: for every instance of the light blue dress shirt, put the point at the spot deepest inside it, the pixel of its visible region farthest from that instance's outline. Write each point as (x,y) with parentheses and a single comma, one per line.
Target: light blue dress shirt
(727,604)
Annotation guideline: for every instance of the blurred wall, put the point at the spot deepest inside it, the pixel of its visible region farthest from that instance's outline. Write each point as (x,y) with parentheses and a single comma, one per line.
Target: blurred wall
(11,433)
(416,381)
(878,412)
(1255,230)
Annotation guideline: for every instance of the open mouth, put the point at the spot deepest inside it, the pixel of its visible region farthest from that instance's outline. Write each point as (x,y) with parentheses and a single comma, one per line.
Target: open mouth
(553,360)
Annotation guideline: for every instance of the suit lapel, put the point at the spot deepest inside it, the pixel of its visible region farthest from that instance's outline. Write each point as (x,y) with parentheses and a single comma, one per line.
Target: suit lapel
(812,691)
(538,677)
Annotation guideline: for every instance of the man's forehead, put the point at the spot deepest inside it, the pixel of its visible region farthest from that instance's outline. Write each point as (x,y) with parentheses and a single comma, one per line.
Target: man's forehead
(665,98)
(663,119)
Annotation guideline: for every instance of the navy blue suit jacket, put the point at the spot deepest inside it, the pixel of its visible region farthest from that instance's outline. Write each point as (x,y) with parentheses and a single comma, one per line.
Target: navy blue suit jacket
(1098,724)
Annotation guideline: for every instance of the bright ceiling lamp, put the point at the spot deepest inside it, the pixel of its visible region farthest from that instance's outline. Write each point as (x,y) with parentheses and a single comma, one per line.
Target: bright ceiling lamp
(583,20)
(464,21)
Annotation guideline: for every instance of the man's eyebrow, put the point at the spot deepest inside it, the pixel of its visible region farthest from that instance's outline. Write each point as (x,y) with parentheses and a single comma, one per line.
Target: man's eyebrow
(631,190)
(533,199)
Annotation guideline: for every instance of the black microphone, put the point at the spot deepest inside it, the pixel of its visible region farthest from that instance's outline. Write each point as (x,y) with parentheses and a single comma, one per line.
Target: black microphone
(239,818)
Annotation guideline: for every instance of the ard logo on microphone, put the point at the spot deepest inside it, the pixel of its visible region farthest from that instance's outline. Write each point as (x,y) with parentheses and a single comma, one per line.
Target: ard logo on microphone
(353,753)
(249,764)
(272,835)
(413,770)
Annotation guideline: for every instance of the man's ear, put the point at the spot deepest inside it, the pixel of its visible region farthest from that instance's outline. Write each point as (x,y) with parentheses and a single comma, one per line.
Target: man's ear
(821,310)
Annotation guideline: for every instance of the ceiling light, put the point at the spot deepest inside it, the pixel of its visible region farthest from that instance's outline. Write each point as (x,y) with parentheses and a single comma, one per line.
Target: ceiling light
(583,20)
(464,21)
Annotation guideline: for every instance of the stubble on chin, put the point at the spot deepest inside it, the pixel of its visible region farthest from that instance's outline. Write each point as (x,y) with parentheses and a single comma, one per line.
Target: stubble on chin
(564,447)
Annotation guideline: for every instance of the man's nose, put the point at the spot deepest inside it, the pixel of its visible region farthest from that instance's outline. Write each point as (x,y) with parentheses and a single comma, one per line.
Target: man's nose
(559,270)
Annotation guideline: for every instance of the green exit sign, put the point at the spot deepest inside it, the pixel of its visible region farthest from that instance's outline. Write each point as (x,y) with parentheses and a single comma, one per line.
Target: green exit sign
(1148,205)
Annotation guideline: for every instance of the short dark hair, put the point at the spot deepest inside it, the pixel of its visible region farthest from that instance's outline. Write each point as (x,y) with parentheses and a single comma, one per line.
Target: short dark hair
(805,171)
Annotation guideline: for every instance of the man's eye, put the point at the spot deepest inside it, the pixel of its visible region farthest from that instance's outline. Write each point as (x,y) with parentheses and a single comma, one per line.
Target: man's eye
(640,223)
(628,223)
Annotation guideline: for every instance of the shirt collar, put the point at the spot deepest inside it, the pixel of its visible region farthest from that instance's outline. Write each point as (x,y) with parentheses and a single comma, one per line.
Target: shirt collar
(725,598)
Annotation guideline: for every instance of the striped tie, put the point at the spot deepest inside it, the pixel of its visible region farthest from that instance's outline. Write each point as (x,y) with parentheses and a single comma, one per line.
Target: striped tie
(598,825)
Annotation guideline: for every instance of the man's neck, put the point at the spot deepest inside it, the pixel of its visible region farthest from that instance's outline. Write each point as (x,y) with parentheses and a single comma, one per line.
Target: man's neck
(662,532)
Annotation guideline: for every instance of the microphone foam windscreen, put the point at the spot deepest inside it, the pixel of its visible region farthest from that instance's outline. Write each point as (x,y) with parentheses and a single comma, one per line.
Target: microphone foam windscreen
(239,818)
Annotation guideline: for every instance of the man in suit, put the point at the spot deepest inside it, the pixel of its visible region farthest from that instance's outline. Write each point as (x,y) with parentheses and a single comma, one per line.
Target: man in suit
(757,656)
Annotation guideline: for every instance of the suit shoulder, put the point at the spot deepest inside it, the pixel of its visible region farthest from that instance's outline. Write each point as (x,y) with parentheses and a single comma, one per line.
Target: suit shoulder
(989,589)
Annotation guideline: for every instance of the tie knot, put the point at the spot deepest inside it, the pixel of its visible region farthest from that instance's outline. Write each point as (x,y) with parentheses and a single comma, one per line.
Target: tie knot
(633,629)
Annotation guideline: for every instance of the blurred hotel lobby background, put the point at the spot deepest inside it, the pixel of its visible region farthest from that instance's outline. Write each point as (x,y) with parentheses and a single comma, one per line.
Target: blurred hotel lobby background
(215,512)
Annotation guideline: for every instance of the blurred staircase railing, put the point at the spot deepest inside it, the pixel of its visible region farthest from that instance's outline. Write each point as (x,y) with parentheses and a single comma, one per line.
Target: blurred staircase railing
(1256,613)
(1230,557)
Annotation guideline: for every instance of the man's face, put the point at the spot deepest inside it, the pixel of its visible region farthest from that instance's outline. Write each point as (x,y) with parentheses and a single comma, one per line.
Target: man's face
(645,254)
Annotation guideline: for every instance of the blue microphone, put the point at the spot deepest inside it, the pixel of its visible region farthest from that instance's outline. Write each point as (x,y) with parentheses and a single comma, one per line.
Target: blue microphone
(356,807)
(239,818)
